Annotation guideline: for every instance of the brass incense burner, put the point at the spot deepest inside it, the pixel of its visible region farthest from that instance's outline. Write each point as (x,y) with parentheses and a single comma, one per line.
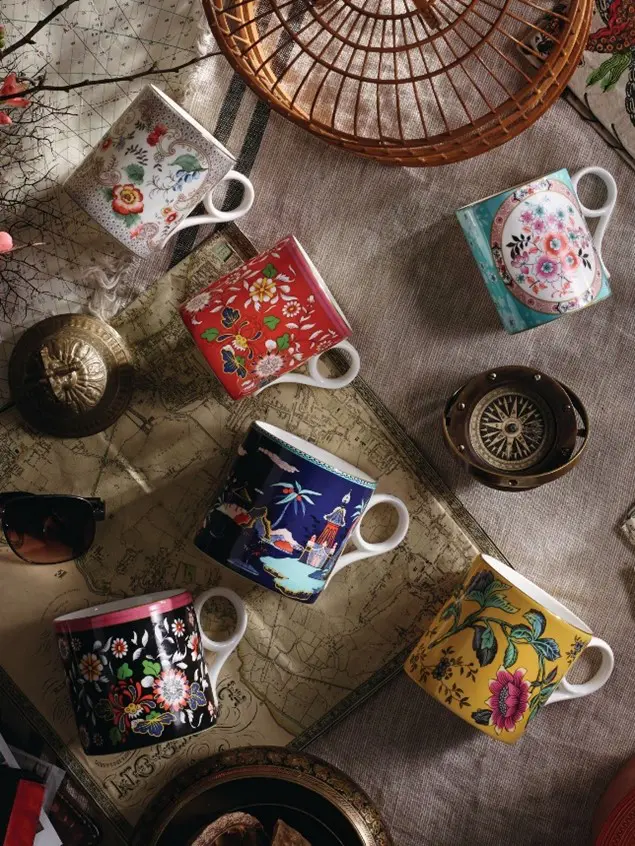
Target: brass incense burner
(71,375)
(515,428)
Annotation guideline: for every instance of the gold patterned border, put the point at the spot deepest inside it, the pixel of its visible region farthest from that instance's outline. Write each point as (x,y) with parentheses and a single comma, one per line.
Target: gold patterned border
(270,762)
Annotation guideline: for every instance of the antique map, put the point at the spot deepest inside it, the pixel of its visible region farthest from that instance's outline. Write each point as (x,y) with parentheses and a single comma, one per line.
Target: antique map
(157,469)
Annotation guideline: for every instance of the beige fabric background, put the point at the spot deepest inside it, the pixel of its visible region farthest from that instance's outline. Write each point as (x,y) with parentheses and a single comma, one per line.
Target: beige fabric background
(387,243)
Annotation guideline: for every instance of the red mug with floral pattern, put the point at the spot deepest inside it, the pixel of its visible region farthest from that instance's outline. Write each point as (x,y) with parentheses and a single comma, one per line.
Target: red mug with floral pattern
(153,166)
(267,318)
(136,672)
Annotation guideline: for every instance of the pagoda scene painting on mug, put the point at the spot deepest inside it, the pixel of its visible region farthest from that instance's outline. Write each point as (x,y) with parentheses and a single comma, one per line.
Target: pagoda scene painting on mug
(281,518)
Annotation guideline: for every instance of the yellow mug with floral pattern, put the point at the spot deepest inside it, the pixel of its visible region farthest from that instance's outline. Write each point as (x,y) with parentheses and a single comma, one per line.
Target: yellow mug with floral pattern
(499,650)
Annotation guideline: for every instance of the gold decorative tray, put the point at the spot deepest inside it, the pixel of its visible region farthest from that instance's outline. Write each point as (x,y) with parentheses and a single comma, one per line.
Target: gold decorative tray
(270,783)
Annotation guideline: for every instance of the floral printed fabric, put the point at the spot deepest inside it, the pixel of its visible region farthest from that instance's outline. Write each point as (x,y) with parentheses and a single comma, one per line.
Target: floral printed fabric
(604,83)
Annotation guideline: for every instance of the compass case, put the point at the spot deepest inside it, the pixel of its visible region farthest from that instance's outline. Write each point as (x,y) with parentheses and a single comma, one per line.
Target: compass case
(515,428)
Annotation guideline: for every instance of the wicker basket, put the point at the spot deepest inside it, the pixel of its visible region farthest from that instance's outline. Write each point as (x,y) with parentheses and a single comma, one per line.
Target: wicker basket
(401,84)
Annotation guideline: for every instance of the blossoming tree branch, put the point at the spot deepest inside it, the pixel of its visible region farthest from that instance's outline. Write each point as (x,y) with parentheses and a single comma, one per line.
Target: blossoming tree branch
(29,87)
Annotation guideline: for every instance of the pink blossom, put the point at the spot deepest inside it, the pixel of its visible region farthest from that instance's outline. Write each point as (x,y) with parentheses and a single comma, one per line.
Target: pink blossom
(12,86)
(509,699)
(9,87)
(6,242)
(522,258)
(547,268)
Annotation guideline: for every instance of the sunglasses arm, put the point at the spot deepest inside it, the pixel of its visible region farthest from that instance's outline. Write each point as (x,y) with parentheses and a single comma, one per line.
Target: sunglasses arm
(97,504)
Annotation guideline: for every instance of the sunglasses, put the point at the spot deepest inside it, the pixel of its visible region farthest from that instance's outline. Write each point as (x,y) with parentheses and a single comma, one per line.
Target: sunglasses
(49,528)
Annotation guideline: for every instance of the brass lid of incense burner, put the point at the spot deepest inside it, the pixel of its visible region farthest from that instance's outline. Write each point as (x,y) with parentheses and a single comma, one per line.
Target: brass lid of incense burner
(71,375)
(515,428)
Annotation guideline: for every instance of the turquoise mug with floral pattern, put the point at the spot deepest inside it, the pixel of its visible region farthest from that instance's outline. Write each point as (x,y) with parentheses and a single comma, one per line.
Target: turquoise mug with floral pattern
(150,170)
(534,249)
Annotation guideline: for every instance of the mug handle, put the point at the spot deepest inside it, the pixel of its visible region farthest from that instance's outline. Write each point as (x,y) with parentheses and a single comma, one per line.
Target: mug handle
(566,690)
(316,378)
(368,550)
(215,215)
(222,648)
(603,212)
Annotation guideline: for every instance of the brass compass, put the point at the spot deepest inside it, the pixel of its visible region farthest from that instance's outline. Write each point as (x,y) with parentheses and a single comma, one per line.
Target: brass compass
(515,428)
(71,375)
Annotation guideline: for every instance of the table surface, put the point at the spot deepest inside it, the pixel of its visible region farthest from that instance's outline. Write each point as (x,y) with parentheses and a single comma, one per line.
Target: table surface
(388,245)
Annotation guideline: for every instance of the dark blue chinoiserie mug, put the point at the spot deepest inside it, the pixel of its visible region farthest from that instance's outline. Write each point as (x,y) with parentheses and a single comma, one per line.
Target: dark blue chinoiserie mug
(286,511)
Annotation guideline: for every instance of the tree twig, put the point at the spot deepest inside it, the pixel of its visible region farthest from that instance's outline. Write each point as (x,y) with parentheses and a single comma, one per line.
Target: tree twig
(152,70)
(28,38)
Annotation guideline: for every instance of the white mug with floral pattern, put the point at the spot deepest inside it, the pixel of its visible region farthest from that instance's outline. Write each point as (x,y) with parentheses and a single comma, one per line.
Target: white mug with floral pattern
(151,169)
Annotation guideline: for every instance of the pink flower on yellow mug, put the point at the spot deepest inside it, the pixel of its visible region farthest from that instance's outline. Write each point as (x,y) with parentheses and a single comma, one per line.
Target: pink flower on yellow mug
(509,699)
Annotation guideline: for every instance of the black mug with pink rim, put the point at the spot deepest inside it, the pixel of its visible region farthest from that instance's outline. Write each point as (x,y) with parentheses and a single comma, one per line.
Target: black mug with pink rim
(136,672)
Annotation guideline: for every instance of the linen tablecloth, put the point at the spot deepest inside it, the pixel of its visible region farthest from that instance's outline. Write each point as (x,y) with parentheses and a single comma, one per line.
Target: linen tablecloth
(389,247)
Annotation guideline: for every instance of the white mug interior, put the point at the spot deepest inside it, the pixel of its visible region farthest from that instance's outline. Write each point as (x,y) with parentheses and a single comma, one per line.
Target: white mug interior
(514,188)
(320,282)
(119,605)
(188,117)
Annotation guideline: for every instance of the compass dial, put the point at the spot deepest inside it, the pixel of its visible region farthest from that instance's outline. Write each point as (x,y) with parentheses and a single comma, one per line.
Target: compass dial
(511,430)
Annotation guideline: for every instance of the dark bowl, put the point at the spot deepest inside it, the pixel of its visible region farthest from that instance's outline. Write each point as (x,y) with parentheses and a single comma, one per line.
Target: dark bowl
(270,783)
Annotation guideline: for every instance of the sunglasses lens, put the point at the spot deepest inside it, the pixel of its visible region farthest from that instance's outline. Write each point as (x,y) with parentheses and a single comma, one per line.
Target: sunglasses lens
(49,529)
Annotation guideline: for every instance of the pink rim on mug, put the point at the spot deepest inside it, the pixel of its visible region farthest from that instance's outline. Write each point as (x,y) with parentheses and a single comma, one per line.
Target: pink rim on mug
(122,611)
